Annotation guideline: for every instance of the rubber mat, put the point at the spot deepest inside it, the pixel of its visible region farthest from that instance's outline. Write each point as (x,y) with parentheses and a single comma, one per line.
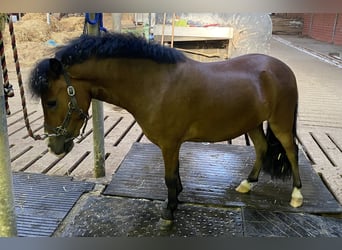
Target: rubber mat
(259,223)
(105,216)
(210,174)
(117,216)
(41,201)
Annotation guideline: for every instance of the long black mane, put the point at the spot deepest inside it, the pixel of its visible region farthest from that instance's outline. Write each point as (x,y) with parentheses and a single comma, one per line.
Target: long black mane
(116,45)
(110,45)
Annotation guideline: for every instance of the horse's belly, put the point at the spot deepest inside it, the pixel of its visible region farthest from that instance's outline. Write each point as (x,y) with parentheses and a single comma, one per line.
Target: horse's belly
(220,130)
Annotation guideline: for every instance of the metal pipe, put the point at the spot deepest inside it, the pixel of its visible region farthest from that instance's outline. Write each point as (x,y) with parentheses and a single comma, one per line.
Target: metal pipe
(163,29)
(310,25)
(98,125)
(116,22)
(173,29)
(8,227)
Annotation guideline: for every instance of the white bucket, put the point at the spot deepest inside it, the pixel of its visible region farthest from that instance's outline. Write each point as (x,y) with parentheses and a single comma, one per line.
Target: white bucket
(14,18)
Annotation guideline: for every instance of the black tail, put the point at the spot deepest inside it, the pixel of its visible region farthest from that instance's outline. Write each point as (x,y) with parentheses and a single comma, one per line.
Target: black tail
(276,162)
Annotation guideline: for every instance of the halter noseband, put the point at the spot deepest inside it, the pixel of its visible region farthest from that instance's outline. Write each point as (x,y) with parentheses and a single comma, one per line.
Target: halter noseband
(72,107)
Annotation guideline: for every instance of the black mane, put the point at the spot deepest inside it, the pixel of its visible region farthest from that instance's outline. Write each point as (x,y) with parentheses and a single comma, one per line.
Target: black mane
(110,45)
(38,81)
(113,45)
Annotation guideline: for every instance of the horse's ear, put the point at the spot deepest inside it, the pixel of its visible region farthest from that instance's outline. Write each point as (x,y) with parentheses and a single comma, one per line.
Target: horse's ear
(56,67)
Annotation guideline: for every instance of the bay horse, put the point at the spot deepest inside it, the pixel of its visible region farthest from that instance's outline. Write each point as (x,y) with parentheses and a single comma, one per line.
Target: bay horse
(174,99)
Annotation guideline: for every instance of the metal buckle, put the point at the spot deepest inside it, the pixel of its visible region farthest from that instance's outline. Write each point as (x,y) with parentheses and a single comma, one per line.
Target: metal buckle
(71,91)
(61,131)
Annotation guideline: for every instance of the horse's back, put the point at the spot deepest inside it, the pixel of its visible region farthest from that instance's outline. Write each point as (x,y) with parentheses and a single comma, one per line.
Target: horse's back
(259,62)
(221,100)
(263,73)
(238,95)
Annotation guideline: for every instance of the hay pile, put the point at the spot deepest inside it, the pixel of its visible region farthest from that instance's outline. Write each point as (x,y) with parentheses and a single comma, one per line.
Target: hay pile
(33,32)
(33,27)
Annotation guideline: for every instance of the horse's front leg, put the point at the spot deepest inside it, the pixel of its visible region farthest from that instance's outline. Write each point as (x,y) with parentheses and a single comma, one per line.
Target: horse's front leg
(172,180)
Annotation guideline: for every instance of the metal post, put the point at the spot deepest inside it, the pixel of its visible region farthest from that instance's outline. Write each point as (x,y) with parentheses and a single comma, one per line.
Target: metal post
(97,111)
(173,29)
(8,226)
(116,22)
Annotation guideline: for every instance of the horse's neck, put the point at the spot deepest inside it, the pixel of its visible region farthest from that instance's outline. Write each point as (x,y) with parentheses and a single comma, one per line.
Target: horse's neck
(124,82)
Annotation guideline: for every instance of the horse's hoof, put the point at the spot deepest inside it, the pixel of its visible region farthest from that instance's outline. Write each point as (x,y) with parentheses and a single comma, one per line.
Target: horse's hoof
(244,187)
(296,198)
(296,202)
(165,225)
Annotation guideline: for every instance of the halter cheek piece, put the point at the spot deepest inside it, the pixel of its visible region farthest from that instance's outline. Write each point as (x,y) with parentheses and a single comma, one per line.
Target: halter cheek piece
(72,107)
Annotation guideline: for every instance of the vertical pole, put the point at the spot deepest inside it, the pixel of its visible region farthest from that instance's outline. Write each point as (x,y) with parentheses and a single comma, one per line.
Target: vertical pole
(116,22)
(173,29)
(163,29)
(310,25)
(48,18)
(8,226)
(97,112)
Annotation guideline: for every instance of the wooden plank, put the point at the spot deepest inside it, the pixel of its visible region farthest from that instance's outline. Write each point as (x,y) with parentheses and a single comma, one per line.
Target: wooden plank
(32,155)
(16,150)
(333,178)
(18,123)
(335,136)
(330,150)
(311,147)
(144,139)
(193,33)
(114,136)
(286,26)
(116,153)
(44,163)
(16,115)
(85,168)
(67,163)
(81,150)
(51,163)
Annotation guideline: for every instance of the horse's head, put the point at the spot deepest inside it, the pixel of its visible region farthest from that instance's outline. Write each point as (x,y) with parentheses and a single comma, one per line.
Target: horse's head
(65,103)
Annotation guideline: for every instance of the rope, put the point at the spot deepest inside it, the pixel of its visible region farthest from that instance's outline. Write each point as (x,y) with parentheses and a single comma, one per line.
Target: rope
(5,74)
(20,82)
(8,88)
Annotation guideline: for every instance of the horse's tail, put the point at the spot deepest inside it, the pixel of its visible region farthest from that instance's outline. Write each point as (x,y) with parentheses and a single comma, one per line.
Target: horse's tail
(276,162)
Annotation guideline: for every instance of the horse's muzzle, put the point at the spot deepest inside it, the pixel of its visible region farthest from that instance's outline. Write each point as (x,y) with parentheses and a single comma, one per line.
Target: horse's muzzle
(60,144)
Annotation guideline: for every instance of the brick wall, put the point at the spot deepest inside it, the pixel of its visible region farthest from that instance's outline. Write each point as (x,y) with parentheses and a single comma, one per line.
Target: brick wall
(324,27)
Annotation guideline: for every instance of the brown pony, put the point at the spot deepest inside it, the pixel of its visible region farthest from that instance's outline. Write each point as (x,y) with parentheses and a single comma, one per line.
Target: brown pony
(174,99)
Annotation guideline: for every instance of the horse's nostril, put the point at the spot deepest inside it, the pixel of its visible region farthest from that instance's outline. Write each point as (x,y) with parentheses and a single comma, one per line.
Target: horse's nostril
(68,146)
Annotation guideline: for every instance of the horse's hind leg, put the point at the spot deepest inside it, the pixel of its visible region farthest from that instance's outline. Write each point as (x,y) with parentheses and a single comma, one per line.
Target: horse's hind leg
(259,140)
(288,142)
(172,179)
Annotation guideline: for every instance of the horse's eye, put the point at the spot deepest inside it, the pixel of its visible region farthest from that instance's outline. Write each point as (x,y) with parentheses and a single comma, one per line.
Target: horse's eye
(51,104)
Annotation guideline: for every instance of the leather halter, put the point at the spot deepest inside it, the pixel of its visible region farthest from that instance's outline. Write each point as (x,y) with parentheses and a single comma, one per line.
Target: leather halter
(61,130)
